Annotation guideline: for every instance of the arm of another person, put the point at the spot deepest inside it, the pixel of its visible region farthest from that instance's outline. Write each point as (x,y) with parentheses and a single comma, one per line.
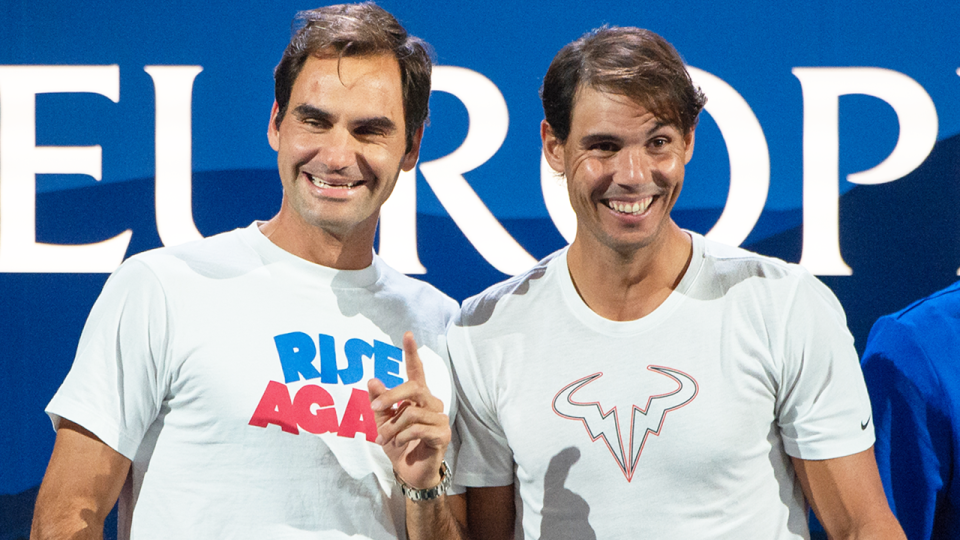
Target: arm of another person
(80,487)
(414,434)
(847,496)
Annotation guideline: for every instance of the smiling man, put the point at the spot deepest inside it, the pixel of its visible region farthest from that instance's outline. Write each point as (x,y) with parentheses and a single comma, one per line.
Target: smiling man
(220,387)
(646,382)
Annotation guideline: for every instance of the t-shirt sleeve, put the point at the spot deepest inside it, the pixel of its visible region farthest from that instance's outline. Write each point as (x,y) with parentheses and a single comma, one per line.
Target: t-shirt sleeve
(117,382)
(823,408)
(484,459)
(913,427)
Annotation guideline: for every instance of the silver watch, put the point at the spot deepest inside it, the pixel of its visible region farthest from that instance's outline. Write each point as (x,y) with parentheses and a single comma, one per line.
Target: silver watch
(429,494)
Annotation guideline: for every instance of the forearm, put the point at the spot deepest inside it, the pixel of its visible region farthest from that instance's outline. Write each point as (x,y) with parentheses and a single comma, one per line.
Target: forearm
(80,487)
(61,522)
(435,520)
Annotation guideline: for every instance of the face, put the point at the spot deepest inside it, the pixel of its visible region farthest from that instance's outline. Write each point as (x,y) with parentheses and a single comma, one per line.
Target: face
(341,144)
(624,170)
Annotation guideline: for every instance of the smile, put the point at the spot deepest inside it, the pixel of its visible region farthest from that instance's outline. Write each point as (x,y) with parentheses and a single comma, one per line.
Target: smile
(634,209)
(321,184)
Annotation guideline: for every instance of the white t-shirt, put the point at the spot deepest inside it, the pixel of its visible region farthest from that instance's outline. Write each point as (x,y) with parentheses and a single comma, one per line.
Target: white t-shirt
(676,425)
(234,373)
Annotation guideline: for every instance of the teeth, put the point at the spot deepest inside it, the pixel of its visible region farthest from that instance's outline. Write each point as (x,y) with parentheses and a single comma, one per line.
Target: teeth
(635,209)
(321,184)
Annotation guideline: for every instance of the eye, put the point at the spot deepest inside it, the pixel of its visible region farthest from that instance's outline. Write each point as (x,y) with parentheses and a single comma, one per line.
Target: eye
(604,146)
(659,143)
(317,123)
(369,131)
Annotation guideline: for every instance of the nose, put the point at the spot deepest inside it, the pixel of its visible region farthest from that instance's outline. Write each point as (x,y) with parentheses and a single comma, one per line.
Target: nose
(633,167)
(337,150)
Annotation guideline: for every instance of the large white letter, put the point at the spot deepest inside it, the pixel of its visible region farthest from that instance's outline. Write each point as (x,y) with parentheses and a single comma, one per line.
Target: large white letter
(748,154)
(173,87)
(398,226)
(21,160)
(749,166)
(487,112)
(822,88)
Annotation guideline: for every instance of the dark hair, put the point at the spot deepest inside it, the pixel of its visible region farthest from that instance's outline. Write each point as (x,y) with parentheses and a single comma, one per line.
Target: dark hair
(633,62)
(357,30)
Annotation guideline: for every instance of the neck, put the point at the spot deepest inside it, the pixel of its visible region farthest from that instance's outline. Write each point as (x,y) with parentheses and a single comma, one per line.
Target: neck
(627,286)
(350,250)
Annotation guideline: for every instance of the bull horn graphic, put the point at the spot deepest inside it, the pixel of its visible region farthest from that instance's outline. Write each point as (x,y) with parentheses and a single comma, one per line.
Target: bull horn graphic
(606,425)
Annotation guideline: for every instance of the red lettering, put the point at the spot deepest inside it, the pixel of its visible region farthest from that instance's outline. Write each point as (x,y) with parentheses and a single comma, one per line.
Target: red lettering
(358,417)
(325,419)
(275,407)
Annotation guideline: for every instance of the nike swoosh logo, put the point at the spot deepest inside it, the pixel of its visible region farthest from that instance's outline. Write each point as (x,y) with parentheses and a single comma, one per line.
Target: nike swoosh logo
(863,425)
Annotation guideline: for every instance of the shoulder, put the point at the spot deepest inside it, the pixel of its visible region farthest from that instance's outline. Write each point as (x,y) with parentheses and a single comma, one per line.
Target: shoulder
(906,333)
(220,255)
(941,307)
(728,267)
(523,287)
(414,292)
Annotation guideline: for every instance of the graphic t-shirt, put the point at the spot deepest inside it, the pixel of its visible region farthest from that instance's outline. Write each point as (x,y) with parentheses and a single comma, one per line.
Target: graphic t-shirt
(233,374)
(680,424)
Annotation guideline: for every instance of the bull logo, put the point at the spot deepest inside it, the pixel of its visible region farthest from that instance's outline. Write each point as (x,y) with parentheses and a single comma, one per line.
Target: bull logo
(643,422)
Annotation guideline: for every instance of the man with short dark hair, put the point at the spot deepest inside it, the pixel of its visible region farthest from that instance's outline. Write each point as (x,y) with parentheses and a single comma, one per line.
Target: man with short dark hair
(647,382)
(219,388)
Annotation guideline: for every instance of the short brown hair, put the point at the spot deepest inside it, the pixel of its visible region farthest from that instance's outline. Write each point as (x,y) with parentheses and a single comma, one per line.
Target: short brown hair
(633,62)
(358,30)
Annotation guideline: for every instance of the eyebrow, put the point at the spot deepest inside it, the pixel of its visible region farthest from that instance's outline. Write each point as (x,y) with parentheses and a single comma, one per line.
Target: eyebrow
(303,111)
(382,123)
(594,138)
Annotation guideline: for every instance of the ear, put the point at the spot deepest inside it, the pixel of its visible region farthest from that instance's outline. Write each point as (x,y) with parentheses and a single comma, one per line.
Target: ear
(552,147)
(273,134)
(410,158)
(688,141)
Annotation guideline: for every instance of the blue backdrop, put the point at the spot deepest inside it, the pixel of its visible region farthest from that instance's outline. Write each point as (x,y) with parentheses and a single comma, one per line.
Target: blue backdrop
(896,237)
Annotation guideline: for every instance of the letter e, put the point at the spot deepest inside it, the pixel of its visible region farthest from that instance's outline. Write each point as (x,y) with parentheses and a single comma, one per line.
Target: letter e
(386,363)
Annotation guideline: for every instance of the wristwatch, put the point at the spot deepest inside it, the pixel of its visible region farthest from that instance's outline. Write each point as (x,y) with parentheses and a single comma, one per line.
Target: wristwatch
(429,494)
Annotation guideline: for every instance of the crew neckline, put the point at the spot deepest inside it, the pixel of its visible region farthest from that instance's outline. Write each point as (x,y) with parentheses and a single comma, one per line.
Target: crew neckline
(341,279)
(601,324)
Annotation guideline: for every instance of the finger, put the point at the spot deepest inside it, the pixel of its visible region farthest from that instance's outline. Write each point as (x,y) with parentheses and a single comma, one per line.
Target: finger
(414,423)
(376,389)
(414,365)
(409,391)
(433,437)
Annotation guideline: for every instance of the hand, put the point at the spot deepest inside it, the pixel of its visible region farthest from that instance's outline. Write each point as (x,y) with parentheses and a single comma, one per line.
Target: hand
(412,428)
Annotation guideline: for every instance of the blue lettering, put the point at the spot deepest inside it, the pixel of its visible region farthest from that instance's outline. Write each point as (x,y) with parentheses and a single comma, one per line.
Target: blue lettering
(296,352)
(386,363)
(328,360)
(355,350)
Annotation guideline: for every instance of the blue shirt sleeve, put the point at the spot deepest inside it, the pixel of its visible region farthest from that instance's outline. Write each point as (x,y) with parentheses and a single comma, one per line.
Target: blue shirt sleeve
(913,428)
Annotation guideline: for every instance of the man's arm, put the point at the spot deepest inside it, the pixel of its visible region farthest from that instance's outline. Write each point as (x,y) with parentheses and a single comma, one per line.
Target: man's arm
(847,496)
(80,487)
(491,513)
(481,514)
(414,433)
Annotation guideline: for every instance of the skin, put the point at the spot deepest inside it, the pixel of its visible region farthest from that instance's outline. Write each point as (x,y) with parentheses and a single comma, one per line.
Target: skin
(414,433)
(618,153)
(80,487)
(344,125)
(624,266)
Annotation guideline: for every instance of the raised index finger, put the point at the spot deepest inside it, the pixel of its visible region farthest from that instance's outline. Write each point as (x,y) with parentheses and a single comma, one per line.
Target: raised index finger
(414,365)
